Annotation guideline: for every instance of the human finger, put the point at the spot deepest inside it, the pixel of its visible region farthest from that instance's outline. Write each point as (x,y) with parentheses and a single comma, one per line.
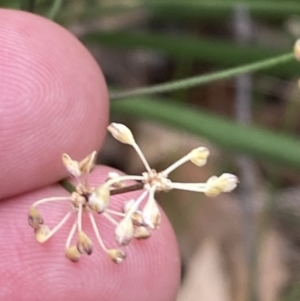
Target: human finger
(53,99)
(30,271)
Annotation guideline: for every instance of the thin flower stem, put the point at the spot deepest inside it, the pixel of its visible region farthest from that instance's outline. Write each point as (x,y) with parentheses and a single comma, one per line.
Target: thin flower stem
(110,218)
(151,194)
(182,186)
(71,234)
(115,212)
(141,155)
(52,199)
(175,165)
(123,178)
(80,218)
(150,203)
(135,206)
(204,79)
(203,185)
(97,232)
(57,227)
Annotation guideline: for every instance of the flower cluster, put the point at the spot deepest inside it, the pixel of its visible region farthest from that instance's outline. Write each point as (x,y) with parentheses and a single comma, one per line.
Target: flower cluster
(136,220)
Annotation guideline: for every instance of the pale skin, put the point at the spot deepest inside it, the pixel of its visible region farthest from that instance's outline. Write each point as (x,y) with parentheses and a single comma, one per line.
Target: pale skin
(54,100)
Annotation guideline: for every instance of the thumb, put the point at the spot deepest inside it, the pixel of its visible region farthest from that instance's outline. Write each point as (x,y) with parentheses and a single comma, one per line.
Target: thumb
(53,99)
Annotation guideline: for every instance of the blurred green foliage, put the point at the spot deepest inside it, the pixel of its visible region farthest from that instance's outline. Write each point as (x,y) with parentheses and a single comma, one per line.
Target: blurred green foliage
(276,147)
(220,53)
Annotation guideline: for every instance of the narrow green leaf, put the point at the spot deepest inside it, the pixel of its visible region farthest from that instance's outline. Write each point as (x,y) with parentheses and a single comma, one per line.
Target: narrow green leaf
(216,52)
(221,9)
(54,9)
(262,143)
(28,5)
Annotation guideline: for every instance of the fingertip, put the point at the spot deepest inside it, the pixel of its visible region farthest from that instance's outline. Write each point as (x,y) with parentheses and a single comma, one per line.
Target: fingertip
(53,99)
(149,272)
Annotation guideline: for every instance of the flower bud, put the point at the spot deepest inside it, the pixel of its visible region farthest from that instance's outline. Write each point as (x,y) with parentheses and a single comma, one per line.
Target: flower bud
(84,244)
(124,231)
(41,234)
(211,189)
(88,163)
(137,218)
(116,255)
(72,166)
(115,175)
(35,219)
(141,232)
(121,133)
(297,50)
(199,156)
(73,254)
(225,183)
(99,198)
(151,214)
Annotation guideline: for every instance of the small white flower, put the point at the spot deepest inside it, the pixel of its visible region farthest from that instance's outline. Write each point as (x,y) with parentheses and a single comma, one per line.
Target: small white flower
(121,133)
(199,156)
(227,182)
(124,231)
(216,185)
(151,214)
(116,255)
(99,198)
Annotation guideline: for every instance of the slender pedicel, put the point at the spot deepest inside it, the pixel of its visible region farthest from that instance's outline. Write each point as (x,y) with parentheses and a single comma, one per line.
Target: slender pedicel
(110,218)
(142,157)
(52,199)
(101,243)
(115,212)
(42,238)
(71,234)
(72,252)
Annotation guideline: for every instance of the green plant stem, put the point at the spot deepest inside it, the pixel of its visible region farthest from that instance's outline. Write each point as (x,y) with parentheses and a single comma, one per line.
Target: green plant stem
(54,9)
(269,6)
(204,79)
(275,10)
(71,188)
(67,185)
(193,8)
(279,148)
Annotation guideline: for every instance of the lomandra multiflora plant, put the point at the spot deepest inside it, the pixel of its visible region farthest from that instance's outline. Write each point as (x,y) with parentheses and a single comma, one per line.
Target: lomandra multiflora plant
(138,217)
